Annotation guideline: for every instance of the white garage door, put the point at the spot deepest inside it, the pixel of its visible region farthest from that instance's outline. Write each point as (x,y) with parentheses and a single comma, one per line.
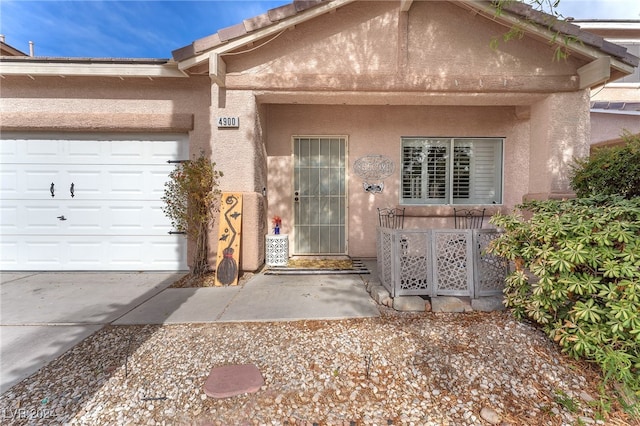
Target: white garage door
(88,202)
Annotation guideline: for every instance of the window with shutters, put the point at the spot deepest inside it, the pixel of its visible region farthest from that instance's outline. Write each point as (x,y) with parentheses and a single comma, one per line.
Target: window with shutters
(451,171)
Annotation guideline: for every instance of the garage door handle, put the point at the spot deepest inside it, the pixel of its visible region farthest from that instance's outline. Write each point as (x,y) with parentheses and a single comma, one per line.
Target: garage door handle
(62,217)
(52,189)
(71,190)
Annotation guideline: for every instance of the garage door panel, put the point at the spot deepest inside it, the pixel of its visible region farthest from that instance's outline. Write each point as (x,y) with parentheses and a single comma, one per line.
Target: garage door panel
(9,250)
(86,184)
(8,219)
(162,153)
(104,182)
(9,150)
(84,217)
(157,179)
(29,151)
(44,252)
(86,254)
(127,219)
(38,253)
(45,150)
(126,183)
(35,183)
(40,219)
(159,222)
(79,148)
(85,152)
(9,183)
(162,253)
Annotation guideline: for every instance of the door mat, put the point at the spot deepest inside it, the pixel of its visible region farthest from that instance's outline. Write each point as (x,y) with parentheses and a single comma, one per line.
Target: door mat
(319,267)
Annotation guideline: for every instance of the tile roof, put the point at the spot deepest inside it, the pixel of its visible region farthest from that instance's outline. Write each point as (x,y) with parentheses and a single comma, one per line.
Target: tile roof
(519,9)
(247,26)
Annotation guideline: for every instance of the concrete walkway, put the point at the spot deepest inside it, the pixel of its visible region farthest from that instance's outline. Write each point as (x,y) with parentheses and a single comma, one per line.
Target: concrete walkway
(42,315)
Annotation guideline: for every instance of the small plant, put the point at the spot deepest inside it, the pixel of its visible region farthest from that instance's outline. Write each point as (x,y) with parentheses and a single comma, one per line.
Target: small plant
(566,401)
(192,198)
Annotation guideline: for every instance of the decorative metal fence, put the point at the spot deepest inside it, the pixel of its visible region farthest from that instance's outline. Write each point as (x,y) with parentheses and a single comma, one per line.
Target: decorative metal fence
(439,262)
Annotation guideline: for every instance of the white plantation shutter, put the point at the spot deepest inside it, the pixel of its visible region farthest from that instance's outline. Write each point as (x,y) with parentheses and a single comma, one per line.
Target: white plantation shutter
(425,171)
(484,163)
(436,173)
(412,182)
(461,185)
(472,175)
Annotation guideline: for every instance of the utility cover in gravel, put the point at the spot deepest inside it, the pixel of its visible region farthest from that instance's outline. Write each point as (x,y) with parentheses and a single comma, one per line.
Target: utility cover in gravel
(232,380)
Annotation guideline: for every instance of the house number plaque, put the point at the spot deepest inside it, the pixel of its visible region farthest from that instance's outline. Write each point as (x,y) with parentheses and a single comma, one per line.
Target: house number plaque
(228,122)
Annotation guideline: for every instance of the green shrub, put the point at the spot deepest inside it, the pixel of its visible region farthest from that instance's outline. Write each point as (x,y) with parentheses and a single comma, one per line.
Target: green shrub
(191,198)
(577,274)
(609,170)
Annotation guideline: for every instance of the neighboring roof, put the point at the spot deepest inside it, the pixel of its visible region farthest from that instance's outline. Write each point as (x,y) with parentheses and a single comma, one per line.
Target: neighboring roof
(8,50)
(299,11)
(618,29)
(106,67)
(619,107)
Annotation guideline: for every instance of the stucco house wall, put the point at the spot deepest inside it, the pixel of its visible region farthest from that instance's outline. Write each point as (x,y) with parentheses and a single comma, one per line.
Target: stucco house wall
(374,75)
(108,104)
(372,72)
(376,130)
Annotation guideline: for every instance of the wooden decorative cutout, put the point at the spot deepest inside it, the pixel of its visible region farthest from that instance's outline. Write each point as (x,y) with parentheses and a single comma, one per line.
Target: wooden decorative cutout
(229,239)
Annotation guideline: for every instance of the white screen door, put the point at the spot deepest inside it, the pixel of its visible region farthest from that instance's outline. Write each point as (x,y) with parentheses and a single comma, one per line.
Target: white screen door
(319,195)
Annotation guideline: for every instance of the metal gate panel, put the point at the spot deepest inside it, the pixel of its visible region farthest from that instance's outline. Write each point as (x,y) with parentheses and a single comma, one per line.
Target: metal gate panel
(452,254)
(385,259)
(490,270)
(439,262)
(416,275)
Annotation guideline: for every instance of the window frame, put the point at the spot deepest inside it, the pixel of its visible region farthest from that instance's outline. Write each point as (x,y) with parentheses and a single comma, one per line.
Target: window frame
(434,197)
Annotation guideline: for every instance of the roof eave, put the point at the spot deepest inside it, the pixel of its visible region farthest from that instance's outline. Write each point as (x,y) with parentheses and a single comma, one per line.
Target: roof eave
(544,26)
(231,38)
(68,67)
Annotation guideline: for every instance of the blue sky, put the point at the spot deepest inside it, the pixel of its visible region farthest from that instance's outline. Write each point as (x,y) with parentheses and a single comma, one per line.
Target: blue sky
(152,29)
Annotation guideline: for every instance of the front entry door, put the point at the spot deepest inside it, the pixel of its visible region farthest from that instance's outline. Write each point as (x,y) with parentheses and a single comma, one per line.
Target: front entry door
(319,195)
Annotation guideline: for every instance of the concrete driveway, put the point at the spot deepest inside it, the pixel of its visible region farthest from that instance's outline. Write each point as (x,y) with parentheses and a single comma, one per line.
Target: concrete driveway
(42,315)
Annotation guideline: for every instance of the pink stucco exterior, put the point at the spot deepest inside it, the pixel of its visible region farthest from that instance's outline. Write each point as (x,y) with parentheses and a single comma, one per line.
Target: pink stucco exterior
(373,75)
(367,72)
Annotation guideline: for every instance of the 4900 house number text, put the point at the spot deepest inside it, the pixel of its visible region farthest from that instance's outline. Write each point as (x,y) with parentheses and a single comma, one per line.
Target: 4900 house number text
(228,121)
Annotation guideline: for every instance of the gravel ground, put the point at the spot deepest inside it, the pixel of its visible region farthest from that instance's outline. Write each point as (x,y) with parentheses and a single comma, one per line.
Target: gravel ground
(410,369)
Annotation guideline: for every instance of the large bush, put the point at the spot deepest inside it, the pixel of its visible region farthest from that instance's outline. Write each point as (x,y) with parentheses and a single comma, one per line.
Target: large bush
(577,274)
(609,170)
